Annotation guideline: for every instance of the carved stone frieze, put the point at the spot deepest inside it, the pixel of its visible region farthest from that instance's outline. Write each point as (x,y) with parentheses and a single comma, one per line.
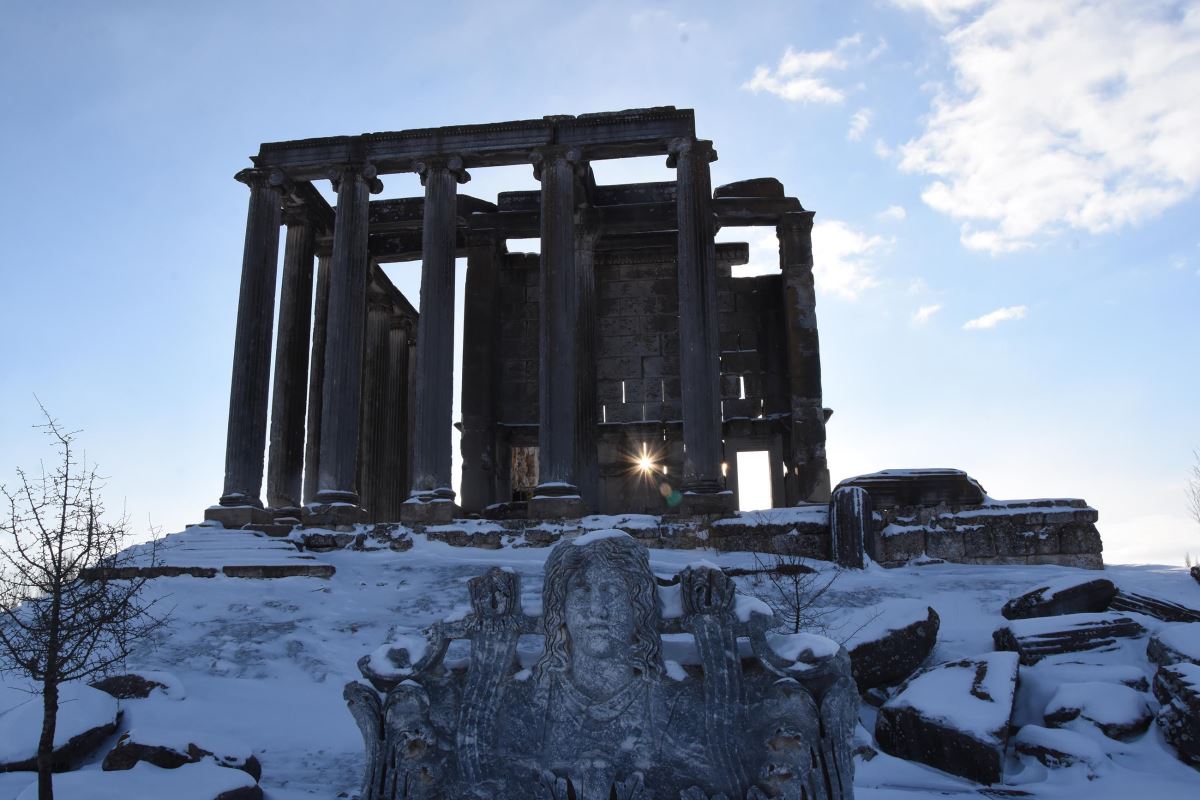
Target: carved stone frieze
(601,713)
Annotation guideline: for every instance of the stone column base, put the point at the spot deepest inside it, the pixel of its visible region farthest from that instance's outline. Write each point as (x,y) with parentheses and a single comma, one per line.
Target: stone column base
(234,517)
(333,515)
(568,507)
(427,512)
(695,503)
(287,514)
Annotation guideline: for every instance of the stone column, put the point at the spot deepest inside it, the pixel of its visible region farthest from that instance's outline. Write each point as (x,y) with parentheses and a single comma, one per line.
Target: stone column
(372,478)
(245,443)
(479,336)
(316,380)
(395,468)
(285,468)
(337,499)
(557,493)
(851,532)
(431,498)
(587,468)
(810,471)
(699,360)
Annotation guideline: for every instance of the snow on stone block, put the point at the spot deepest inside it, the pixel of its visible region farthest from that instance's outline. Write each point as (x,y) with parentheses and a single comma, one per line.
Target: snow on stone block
(1037,638)
(1070,595)
(890,641)
(1155,607)
(954,716)
(140,685)
(204,781)
(170,748)
(1177,687)
(1057,748)
(86,717)
(1175,643)
(805,648)
(1118,711)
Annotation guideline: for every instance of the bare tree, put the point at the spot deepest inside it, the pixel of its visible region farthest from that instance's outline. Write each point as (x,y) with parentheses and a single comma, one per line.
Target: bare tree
(794,591)
(1193,488)
(63,614)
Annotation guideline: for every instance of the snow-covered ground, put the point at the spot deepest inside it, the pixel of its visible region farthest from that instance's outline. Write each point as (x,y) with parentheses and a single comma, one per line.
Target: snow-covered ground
(260,664)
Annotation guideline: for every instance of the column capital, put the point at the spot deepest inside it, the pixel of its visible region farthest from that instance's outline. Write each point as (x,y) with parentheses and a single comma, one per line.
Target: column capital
(257,178)
(364,171)
(701,148)
(452,164)
(296,212)
(556,152)
(795,221)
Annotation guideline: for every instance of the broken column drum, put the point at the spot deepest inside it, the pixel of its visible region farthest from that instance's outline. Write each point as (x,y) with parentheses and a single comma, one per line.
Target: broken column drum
(625,360)
(600,714)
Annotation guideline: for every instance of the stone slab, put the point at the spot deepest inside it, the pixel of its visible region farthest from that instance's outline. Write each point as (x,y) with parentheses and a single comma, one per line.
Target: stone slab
(235,517)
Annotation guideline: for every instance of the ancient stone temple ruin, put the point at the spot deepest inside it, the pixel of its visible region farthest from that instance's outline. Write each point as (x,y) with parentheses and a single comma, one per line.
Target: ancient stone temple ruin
(624,347)
(621,369)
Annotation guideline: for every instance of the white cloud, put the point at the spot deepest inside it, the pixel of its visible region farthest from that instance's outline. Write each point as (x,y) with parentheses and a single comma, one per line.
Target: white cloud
(842,259)
(942,11)
(799,78)
(892,213)
(924,313)
(1066,115)
(859,124)
(994,318)
(882,150)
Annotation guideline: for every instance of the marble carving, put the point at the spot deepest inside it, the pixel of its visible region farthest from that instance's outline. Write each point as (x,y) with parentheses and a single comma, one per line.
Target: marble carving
(601,714)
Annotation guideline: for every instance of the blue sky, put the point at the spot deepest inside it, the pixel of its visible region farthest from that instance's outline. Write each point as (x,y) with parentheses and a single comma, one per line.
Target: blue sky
(1027,166)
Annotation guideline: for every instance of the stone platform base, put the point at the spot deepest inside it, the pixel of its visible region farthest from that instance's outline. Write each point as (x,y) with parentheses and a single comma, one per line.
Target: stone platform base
(428,512)
(237,516)
(333,516)
(722,503)
(570,507)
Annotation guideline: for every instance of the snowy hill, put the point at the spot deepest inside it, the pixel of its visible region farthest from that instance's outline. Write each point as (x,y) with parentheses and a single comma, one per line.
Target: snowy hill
(259,665)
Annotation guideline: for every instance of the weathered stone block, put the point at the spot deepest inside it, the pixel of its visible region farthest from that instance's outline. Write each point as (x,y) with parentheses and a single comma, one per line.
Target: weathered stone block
(1080,538)
(954,717)
(946,545)
(1073,595)
(234,517)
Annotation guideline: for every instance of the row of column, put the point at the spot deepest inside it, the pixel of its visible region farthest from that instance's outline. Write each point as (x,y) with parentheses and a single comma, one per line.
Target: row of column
(343,324)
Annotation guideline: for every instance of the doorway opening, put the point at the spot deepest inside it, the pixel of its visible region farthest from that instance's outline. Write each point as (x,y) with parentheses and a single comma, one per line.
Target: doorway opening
(754,480)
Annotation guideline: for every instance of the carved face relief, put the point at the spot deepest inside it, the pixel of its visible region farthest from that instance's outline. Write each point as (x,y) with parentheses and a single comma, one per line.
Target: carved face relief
(599,616)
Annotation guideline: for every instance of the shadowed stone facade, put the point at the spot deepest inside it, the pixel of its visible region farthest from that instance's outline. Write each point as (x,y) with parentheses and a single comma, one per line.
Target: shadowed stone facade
(621,368)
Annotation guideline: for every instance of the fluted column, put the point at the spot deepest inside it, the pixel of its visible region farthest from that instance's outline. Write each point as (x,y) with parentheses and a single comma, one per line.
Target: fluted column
(431,496)
(316,380)
(245,442)
(809,478)
(285,467)
(337,499)
(479,336)
(699,359)
(557,493)
(372,480)
(395,470)
(587,468)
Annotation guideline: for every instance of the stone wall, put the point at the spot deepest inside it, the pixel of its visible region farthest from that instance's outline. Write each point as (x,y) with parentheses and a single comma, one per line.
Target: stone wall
(1057,531)
(994,532)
